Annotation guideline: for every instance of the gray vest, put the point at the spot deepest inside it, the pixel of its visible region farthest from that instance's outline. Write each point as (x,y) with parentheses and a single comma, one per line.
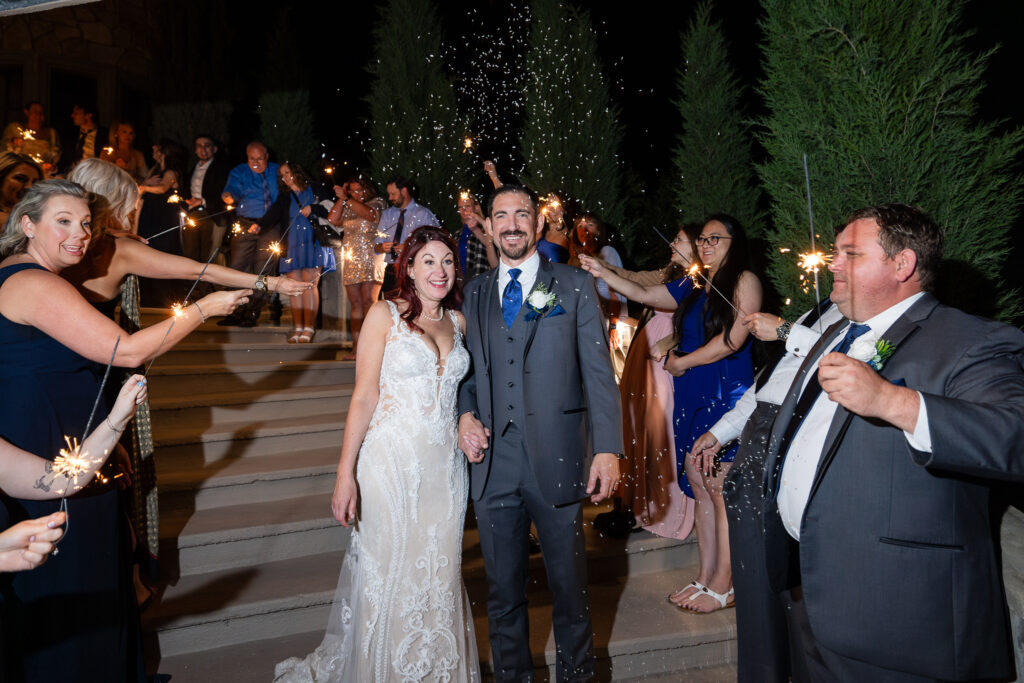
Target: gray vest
(506,355)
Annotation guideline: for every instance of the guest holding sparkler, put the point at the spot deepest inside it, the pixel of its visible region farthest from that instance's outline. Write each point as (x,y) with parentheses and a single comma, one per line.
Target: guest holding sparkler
(122,152)
(358,212)
(555,244)
(712,368)
(35,140)
(28,476)
(74,618)
(476,250)
(297,200)
(17,173)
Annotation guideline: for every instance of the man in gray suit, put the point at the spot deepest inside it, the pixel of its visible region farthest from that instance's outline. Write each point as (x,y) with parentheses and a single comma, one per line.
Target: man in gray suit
(540,399)
(877,523)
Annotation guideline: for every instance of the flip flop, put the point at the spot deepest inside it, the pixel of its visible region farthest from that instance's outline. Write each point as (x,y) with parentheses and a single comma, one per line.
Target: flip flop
(693,584)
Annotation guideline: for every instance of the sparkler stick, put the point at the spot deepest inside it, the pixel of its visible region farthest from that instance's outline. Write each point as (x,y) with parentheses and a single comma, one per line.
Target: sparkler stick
(191,222)
(201,274)
(703,277)
(807,262)
(275,247)
(72,463)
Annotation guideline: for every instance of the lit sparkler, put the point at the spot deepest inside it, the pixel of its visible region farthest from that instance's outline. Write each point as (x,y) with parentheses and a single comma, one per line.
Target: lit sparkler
(814,248)
(467,144)
(695,270)
(27,134)
(174,198)
(814,261)
(464,195)
(236,228)
(178,310)
(71,464)
(108,150)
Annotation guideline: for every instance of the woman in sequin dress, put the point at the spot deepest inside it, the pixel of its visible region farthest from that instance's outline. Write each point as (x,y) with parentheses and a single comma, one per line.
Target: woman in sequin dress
(357,212)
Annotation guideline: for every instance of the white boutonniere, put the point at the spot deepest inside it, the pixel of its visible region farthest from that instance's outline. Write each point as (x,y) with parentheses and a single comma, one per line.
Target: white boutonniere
(541,303)
(869,349)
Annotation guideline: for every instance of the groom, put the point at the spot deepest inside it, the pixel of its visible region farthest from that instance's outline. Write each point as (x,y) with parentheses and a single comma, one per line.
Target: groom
(540,399)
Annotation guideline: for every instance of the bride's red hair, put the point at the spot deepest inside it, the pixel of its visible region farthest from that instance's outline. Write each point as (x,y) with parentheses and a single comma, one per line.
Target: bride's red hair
(405,289)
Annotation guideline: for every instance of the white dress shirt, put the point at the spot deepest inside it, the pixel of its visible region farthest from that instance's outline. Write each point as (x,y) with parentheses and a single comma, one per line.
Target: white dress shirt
(526,278)
(198,176)
(807,443)
(798,343)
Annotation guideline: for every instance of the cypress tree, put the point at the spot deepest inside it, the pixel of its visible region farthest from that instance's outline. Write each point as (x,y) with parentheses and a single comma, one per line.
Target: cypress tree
(415,127)
(571,134)
(286,116)
(714,169)
(882,98)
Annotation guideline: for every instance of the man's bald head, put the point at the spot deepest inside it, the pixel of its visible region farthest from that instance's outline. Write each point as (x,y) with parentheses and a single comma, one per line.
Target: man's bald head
(257,156)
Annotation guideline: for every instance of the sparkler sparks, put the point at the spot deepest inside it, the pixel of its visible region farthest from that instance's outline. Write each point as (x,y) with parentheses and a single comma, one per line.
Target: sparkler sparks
(464,195)
(467,143)
(108,150)
(71,463)
(178,309)
(236,228)
(174,198)
(27,134)
(813,261)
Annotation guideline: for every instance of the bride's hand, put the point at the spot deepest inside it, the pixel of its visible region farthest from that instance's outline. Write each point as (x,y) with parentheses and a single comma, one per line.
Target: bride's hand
(344,500)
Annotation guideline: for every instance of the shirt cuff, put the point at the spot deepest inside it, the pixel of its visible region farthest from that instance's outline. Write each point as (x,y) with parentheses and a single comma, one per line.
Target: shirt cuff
(724,432)
(801,339)
(921,439)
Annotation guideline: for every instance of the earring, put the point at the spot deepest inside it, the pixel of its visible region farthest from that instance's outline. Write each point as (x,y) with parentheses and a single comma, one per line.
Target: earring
(30,236)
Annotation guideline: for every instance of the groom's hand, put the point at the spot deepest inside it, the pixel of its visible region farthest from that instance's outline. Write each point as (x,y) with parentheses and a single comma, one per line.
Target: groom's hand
(473,437)
(604,469)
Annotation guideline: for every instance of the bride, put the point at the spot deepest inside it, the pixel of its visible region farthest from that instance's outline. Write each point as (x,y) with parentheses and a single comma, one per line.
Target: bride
(401,612)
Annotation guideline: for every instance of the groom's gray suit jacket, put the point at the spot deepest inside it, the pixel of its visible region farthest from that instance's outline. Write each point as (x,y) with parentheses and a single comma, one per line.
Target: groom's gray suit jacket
(896,554)
(566,402)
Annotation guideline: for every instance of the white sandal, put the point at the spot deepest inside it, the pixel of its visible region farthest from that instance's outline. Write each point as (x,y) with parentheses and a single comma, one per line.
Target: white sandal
(724,600)
(693,584)
(307,335)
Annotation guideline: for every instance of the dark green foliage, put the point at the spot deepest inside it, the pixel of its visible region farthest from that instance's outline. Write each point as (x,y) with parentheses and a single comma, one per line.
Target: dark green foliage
(714,169)
(286,117)
(882,97)
(415,128)
(571,134)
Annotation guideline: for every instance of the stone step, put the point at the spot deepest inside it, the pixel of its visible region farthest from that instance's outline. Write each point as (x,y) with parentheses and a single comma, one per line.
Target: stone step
(187,446)
(206,351)
(255,661)
(234,482)
(637,634)
(208,408)
(283,561)
(240,537)
(168,380)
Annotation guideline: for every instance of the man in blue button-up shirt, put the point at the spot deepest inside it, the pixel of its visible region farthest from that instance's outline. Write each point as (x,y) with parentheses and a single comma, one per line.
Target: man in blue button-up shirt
(252,188)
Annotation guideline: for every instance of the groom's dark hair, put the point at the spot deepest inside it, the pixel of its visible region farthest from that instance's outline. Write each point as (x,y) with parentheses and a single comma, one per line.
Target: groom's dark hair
(509,189)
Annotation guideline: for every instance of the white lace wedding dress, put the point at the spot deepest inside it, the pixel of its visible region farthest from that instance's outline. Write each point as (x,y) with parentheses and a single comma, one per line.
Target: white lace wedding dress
(401,612)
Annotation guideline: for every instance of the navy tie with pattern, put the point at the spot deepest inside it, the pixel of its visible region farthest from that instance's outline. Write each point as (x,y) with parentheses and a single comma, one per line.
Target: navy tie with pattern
(810,395)
(512,298)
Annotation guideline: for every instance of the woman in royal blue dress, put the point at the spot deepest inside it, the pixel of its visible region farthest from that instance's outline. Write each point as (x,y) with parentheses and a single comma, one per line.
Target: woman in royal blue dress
(305,260)
(712,368)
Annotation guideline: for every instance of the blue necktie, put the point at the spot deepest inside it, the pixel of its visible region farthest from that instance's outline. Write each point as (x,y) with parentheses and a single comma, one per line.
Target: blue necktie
(266,193)
(512,298)
(810,395)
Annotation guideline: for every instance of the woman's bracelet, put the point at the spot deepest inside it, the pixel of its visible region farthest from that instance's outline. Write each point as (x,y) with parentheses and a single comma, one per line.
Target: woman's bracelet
(112,427)
(201,314)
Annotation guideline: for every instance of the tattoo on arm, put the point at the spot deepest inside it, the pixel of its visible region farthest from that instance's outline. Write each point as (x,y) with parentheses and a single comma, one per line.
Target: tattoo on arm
(41,484)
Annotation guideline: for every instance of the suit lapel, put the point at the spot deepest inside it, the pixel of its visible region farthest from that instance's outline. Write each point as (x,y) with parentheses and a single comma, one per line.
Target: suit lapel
(904,326)
(484,315)
(544,272)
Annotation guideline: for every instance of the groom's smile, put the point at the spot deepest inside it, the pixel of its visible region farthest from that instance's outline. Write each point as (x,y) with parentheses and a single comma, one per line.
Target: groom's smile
(513,225)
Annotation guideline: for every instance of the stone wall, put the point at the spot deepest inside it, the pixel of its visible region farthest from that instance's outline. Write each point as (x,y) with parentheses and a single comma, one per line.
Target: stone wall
(111,33)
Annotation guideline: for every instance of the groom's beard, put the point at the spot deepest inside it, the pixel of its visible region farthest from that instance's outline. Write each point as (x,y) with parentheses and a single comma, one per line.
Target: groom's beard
(514,253)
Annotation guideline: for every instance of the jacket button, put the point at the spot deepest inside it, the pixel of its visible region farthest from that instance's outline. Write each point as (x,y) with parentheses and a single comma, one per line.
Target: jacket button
(511,384)
(509,340)
(511,361)
(511,407)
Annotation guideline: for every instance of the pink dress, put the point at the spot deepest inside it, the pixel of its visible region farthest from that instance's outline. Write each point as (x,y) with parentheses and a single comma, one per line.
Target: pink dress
(651,488)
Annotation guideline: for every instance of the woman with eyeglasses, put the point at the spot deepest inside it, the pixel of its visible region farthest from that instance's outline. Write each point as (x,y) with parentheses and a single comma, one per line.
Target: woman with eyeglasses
(712,368)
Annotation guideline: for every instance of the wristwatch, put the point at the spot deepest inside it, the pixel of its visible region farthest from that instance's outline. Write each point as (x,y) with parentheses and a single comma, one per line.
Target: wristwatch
(782,331)
(261,284)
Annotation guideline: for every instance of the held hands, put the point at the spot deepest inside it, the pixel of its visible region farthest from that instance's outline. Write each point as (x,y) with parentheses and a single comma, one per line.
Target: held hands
(702,455)
(132,394)
(26,545)
(676,364)
(857,387)
(764,326)
(224,302)
(604,469)
(592,266)
(473,437)
(288,286)
(345,499)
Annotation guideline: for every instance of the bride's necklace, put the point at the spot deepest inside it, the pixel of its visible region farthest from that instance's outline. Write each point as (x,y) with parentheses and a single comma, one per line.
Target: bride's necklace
(423,314)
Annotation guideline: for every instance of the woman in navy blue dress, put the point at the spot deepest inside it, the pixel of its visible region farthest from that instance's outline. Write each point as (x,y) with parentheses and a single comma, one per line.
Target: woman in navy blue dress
(73,618)
(305,260)
(712,368)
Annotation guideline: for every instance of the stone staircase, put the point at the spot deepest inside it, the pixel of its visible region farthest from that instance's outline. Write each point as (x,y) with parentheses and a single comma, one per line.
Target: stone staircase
(248,430)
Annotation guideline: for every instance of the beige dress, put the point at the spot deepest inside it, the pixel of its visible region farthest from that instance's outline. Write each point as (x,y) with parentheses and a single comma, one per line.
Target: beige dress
(361,263)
